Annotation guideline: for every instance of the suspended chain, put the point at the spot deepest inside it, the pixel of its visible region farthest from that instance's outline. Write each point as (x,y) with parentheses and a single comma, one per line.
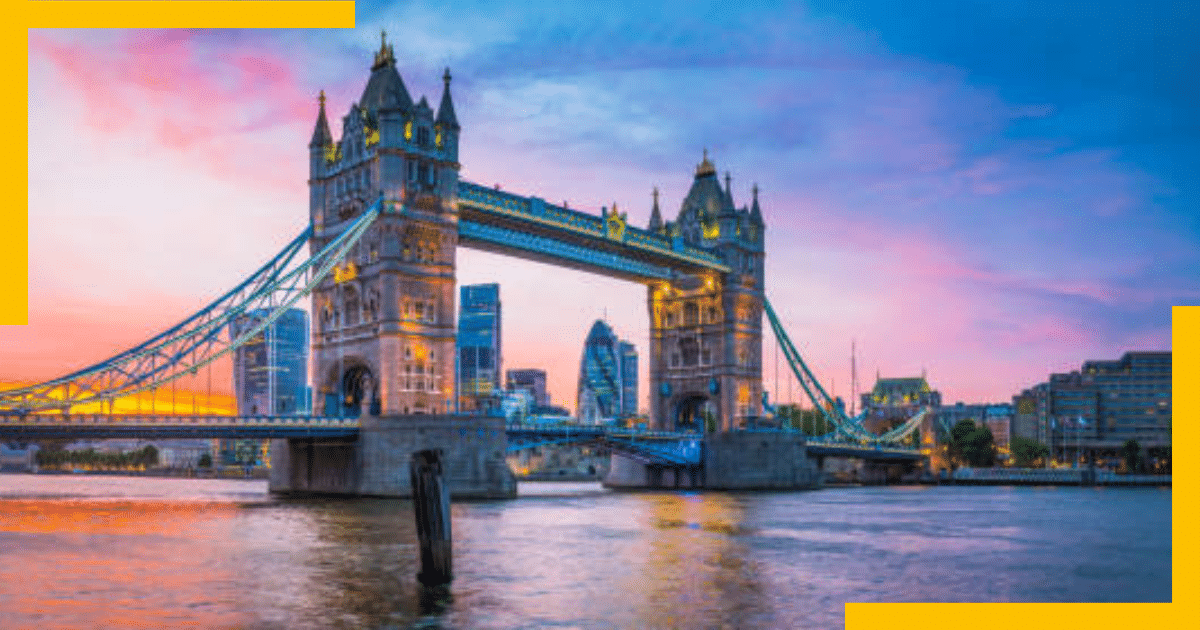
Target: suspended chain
(851,427)
(812,388)
(200,339)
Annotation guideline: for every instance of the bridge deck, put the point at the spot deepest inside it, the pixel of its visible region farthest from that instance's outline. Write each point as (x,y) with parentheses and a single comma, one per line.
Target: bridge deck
(656,447)
(51,426)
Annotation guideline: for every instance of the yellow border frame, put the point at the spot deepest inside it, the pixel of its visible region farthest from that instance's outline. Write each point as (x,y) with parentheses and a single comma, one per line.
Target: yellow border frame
(340,14)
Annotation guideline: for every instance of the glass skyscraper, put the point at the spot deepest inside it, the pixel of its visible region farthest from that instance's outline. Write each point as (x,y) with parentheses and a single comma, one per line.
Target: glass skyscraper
(607,376)
(479,358)
(270,375)
(270,371)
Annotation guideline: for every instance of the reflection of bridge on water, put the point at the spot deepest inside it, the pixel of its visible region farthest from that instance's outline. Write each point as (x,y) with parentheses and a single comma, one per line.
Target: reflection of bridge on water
(387,209)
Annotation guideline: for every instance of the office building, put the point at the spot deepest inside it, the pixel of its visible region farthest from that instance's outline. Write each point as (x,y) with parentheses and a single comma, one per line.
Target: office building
(607,377)
(479,354)
(530,380)
(1101,406)
(270,376)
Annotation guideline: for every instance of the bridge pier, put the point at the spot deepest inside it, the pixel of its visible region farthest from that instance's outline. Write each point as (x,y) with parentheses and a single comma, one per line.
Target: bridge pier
(377,463)
(738,460)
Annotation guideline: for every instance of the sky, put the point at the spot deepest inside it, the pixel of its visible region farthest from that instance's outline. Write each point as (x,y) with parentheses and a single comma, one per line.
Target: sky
(982,192)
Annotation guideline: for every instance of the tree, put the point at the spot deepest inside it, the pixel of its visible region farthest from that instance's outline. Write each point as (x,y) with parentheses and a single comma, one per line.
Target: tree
(972,444)
(1132,454)
(146,457)
(1026,451)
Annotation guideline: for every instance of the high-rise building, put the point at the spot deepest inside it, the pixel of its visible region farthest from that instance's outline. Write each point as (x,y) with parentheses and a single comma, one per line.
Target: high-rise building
(270,376)
(607,376)
(479,358)
(530,380)
(1099,407)
(270,371)
(629,379)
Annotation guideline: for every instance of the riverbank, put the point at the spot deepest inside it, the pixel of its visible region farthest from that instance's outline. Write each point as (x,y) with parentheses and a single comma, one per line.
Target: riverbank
(193,473)
(1046,477)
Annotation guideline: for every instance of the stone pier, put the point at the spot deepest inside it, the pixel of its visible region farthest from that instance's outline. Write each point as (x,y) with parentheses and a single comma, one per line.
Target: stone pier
(733,460)
(376,464)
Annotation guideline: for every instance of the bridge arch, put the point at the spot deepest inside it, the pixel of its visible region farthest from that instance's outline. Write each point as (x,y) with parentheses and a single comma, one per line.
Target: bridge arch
(351,388)
(693,411)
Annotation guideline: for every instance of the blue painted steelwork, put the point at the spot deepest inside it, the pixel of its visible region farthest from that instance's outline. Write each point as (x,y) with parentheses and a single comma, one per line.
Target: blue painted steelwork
(650,447)
(558,249)
(567,226)
(201,338)
(99,426)
(848,429)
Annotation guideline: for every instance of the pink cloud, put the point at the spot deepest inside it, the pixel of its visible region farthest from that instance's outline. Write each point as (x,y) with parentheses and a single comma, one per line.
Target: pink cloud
(193,99)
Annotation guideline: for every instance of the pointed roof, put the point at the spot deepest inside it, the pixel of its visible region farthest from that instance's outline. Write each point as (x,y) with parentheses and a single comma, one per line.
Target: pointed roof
(321,136)
(755,211)
(705,167)
(705,196)
(656,221)
(385,89)
(728,208)
(445,114)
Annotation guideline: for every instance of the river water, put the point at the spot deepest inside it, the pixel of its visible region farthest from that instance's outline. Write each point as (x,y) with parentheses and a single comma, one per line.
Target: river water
(103,552)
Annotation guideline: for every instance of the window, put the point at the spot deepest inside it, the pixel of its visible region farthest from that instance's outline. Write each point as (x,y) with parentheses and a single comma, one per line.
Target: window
(691,314)
(689,350)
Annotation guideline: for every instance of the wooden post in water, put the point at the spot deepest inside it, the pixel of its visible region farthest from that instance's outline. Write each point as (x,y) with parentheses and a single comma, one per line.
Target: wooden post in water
(431,506)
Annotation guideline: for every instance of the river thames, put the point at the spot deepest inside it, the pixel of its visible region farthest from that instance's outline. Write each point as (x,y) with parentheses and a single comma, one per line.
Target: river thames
(106,551)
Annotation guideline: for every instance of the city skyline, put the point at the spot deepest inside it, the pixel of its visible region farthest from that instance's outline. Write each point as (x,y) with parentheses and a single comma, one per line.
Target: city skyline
(918,197)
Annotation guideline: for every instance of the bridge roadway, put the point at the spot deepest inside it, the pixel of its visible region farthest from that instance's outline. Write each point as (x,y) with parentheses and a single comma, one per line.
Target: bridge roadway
(649,447)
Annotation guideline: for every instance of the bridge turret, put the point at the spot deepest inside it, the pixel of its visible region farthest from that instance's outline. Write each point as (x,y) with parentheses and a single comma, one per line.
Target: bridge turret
(383,329)
(706,339)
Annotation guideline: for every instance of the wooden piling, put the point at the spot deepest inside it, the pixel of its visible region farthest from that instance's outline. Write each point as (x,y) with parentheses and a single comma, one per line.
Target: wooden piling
(431,507)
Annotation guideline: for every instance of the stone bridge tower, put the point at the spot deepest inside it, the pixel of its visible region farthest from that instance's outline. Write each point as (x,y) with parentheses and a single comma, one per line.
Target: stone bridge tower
(383,328)
(706,332)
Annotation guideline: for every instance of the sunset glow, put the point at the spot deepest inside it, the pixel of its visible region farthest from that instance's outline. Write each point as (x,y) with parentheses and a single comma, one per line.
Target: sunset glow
(988,220)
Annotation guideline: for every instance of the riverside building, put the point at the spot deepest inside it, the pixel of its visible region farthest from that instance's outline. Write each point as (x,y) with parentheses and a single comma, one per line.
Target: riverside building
(1095,410)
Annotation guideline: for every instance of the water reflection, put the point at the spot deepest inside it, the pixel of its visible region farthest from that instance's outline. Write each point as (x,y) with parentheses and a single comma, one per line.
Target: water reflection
(110,564)
(215,554)
(697,571)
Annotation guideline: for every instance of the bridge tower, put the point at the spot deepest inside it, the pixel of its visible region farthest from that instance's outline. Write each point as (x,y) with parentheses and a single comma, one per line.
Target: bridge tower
(705,356)
(383,325)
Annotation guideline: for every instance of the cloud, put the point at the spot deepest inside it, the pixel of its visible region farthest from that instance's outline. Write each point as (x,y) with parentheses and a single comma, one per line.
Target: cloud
(921,192)
(224,108)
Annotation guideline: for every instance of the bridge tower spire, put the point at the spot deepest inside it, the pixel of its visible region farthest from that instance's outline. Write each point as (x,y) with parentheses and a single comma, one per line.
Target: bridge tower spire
(321,138)
(383,325)
(656,222)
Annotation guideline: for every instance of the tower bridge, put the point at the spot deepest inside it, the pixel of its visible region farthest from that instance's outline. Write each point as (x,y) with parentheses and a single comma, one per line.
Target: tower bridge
(387,211)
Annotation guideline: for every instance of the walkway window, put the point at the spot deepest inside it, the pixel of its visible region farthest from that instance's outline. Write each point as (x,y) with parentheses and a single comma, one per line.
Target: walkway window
(689,350)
